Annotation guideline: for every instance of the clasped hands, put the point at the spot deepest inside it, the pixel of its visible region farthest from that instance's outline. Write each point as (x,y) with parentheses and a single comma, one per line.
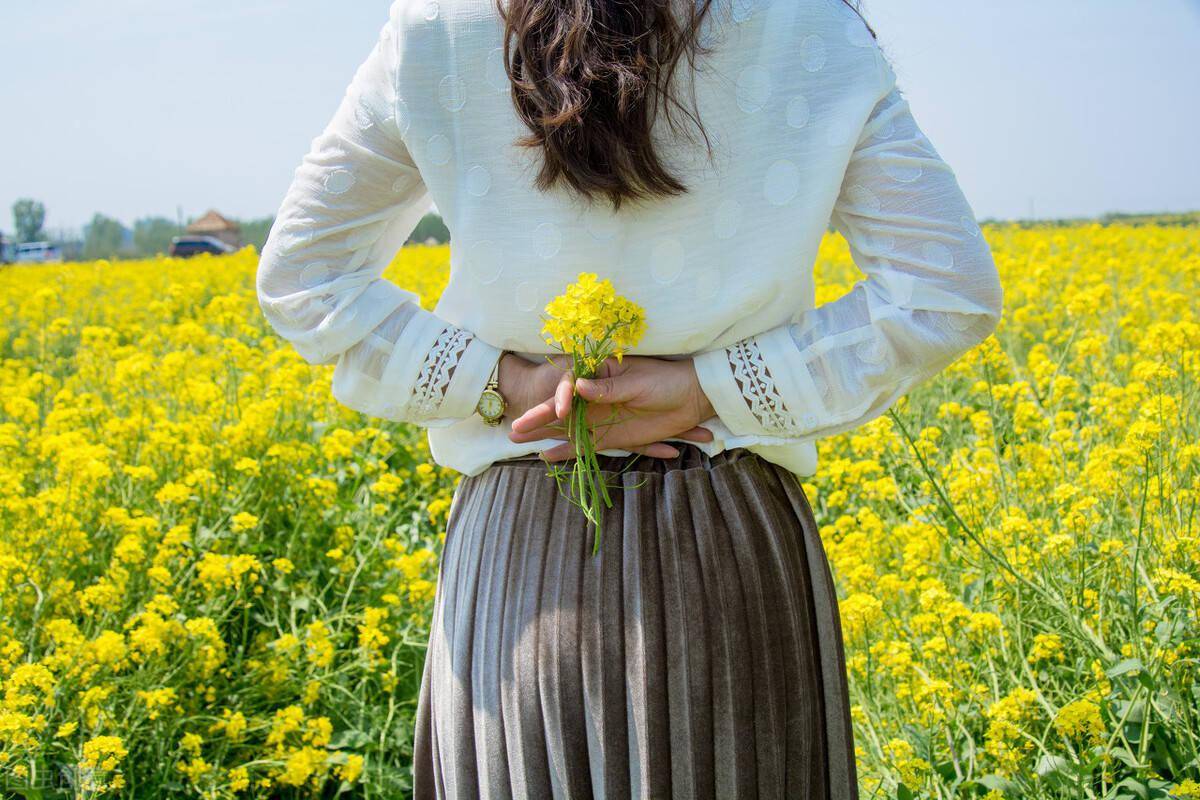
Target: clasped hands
(633,405)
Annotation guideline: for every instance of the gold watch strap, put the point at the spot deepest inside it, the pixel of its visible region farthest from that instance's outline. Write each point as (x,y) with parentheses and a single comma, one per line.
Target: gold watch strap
(494,380)
(493,385)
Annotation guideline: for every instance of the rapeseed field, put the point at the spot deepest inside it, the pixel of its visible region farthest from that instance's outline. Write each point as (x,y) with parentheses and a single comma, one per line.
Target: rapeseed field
(215,581)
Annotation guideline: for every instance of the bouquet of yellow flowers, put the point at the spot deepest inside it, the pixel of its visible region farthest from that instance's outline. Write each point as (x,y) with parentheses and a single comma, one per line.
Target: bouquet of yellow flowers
(589,323)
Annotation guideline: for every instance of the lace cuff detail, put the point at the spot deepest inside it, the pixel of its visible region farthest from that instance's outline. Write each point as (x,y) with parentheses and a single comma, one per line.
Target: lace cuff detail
(434,378)
(758,387)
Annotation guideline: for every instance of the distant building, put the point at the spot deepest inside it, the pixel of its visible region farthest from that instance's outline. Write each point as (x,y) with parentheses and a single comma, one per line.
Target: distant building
(213,224)
(37,253)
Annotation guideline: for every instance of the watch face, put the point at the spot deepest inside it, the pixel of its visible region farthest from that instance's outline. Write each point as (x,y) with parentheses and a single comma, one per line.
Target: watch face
(491,404)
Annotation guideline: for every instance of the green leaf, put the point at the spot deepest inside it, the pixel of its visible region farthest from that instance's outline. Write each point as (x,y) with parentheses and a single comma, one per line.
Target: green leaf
(1165,632)
(1160,788)
(1126,758)
(1168,706)
(998,783)
(1053,769)
(1124,667)
(349,738)
(1136,710)
(1136,788)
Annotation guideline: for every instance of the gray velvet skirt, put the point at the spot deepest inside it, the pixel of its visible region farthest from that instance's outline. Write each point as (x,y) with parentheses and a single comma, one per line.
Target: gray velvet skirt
(698,655)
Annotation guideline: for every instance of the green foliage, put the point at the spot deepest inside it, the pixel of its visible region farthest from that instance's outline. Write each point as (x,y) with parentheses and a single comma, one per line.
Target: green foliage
(254,231)
(1184,219)
(28,218)
(103,237)
(152,235)
(430,226)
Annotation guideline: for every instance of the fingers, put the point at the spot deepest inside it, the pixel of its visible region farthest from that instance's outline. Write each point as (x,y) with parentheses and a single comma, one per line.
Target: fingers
(557,407)
(545,425)
(657,450)
(541,421)
(610,367)
(566,450)
(697,434)
(559,452)
(538,416)
(613,389)
(553,430)
(563,394)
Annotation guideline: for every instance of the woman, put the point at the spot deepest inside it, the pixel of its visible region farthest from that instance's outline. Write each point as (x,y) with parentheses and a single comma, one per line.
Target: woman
(699,654)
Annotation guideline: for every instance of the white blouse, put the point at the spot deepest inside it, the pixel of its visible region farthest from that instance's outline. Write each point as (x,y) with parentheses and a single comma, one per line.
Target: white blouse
(808,127)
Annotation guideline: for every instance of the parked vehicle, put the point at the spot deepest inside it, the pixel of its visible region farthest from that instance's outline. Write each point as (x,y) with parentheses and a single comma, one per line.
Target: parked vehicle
(37,252)
(186,246)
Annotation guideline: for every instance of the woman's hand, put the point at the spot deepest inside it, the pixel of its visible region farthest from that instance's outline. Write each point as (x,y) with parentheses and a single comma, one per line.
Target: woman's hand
(632,405)
(525,383)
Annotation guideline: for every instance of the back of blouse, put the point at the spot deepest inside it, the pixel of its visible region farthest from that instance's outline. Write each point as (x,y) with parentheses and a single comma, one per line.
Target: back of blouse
(808,127)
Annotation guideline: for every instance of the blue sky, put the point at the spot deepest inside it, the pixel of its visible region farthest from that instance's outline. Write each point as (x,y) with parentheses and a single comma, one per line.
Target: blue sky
(140,107)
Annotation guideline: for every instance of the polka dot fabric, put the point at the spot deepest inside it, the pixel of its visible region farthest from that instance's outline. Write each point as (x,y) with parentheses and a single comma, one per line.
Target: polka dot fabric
(808,127)
(932,291)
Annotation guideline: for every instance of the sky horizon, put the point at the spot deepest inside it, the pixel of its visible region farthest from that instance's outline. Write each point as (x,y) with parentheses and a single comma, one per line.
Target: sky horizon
(129,109)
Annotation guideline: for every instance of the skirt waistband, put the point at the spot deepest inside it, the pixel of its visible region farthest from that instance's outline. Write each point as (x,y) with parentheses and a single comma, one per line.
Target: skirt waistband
(690,457)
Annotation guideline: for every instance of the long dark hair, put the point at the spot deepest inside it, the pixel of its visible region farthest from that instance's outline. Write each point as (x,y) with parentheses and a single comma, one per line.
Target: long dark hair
(587,79)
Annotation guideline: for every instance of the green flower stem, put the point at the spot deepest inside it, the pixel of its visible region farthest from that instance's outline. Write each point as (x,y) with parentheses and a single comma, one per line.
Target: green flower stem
(591,488)
(587,487)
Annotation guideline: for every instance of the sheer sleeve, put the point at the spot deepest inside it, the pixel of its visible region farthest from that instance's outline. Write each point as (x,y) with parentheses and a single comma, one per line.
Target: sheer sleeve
(932,292)
(353,201)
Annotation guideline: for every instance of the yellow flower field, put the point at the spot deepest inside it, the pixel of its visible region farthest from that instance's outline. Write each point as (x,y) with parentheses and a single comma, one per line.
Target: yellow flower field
(215,580)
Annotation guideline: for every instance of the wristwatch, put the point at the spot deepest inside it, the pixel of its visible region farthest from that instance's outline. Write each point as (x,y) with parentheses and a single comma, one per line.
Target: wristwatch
(491,403)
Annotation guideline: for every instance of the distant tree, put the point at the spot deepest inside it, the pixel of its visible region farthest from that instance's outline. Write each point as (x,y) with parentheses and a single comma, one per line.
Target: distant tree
(254,231)
(152,235)
(431,225)
(102,237)
(28,218)
(69,242)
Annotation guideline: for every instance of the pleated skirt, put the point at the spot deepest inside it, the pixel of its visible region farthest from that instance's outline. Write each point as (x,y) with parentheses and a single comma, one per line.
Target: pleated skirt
(698,655)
